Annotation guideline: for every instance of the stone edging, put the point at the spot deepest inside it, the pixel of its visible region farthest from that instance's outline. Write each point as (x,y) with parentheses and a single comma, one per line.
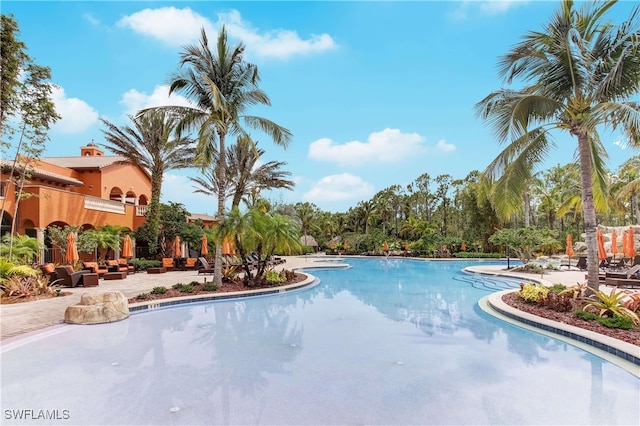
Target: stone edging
(585,339)
(139,307)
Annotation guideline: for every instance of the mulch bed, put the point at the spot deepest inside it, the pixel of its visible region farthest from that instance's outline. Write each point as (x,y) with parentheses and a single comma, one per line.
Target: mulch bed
(10,300)
(629,336)
(227,287)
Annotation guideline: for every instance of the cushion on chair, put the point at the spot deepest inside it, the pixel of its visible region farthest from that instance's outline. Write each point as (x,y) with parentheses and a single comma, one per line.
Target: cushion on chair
(48,268)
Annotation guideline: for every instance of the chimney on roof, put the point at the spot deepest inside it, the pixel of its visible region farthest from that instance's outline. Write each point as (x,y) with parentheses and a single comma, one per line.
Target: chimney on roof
(91,150)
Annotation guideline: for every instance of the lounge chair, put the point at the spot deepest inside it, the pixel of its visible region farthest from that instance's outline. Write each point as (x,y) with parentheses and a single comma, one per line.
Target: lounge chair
(204,268)
(115,266)
(167,263)
(191,263)
(131,269)
(95,268)
(49,270)
(70,278)
(582,263)
(623,282)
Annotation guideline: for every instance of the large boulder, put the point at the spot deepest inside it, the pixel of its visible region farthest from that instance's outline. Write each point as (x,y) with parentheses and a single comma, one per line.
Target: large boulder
(98,308)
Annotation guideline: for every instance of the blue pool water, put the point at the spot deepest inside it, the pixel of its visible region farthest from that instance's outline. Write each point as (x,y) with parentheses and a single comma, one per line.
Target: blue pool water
(386,341)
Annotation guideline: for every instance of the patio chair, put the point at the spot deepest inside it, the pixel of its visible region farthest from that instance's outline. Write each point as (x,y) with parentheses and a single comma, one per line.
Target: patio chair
(191,263)
(70,278)
(115,266)
(95,268)
(582,263)
(204,268)
(131,269)
(167,263)
(49,270)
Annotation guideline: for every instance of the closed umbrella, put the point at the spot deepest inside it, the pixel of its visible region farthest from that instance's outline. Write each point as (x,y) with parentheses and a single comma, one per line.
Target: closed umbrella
(226,246)
(204,245)
(631,243)
(602,253)
(332,245)
(72,249)
(127,247)
(177,251)
(614,243)
(385,246)
(344,244)
(463,247)
(569,251)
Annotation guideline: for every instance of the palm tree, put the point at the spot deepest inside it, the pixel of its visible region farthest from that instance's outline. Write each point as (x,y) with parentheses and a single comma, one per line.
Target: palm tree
(582,70)
(630,186)
(151,145)
(221,86)
(244,176)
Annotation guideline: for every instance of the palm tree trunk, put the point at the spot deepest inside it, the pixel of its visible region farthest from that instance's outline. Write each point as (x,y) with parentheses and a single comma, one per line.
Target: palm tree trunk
(588,210)
(222,163)
(527,209)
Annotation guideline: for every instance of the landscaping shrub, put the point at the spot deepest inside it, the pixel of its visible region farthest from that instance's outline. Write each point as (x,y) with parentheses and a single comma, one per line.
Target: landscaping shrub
(275,277)
(142,296)
(210,287)
(143,264)
(532,292)
(159,290)
(472,255)
(616,321)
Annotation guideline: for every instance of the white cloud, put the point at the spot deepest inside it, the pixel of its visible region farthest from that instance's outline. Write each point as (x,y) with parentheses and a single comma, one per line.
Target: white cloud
(134,101)
(486,7)
(387,146)
(443,146)
(174,27)
(277,43)
(77,115)
(340,187)
(177,27)
(91,19)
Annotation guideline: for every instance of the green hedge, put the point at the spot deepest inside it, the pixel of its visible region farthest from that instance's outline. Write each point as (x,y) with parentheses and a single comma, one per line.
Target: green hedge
(472,255)
(143,264)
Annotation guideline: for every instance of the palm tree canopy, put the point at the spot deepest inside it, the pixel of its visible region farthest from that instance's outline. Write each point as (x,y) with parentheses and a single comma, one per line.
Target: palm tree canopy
(150,143)
(221,86)
(577,75)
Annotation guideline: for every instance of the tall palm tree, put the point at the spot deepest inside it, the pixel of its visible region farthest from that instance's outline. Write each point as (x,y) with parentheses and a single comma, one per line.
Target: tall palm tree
(245,176)
(222,86)
(578,75)
(151,144)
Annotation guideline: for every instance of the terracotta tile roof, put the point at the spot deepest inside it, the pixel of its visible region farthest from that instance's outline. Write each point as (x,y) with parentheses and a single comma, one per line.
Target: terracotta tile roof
(204,217)
(84,162)
(45,175)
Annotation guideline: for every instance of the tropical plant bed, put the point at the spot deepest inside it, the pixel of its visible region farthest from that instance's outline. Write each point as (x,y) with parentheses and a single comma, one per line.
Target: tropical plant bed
(9,300)
(236,285)
(630,336)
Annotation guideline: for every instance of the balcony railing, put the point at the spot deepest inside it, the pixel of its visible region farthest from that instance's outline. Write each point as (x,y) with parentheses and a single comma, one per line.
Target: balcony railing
(141,210)
(95,203)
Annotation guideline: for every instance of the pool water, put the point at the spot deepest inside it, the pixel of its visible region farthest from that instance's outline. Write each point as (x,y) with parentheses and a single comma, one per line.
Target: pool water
(385,341)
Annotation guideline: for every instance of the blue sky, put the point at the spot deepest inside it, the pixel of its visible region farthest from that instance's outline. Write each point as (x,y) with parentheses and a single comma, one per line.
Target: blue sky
(375,93)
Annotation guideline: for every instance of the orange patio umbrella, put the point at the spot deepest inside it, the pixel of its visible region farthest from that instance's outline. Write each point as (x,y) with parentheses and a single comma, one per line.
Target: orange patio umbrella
(127,246)
(631,244)
(177,251)
(602,253)
(569,250)
(332,245)
(463,247)
(204,245)
(344,244)
(227,247)
(385,246)
(614,243)
(72,250)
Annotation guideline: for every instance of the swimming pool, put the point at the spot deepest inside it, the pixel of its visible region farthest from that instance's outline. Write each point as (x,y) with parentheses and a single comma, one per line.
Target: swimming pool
(386,341)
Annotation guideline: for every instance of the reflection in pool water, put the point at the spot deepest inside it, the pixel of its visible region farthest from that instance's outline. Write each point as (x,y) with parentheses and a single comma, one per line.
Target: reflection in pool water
(388,341)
